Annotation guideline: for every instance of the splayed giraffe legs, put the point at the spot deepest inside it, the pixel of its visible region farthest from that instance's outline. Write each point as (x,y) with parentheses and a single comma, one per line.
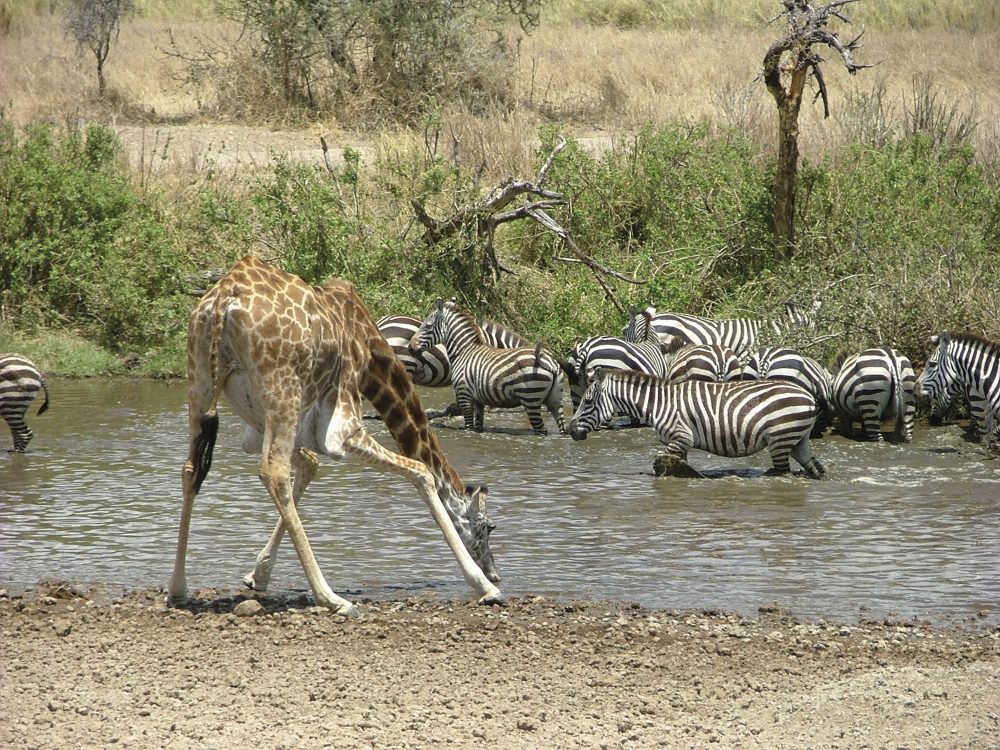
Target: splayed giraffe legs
(305,463)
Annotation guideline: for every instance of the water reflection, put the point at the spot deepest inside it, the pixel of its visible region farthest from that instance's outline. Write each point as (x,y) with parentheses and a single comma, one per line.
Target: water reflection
(894,528)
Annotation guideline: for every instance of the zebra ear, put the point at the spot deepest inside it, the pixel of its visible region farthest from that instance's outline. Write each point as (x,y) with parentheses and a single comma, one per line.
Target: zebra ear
(439,303)
(934,339)
(944,339)
(631,311)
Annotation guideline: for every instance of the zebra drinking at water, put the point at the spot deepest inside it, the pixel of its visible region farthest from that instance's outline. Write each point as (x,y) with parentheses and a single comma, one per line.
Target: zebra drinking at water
(484,375)
(432,368)
(964,364)
(20,382)
(727,419)
(782,363)
(737,334)
(873,386)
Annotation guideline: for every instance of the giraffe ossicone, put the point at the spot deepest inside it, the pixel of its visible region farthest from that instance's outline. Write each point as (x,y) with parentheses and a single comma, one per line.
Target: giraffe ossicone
(295,362)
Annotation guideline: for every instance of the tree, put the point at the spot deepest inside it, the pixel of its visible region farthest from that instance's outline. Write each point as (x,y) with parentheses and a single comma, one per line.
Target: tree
(788,64)
(92,23)
(398,52)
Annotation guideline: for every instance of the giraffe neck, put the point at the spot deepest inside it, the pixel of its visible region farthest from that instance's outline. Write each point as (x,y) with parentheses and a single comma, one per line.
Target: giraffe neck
(389,389)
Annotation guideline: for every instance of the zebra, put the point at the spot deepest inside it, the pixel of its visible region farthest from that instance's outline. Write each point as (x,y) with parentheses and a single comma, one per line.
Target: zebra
(712,363)
(431,368)
(964,364)
(737,334)
(484,375)
(782,363)
(20,382)
(644,355)
(728,419)
(873,386)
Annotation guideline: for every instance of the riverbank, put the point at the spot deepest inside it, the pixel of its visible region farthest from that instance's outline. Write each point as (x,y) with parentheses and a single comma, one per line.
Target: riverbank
(86,668)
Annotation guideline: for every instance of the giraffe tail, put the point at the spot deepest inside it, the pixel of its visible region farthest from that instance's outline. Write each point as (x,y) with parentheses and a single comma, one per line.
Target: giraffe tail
(204,443)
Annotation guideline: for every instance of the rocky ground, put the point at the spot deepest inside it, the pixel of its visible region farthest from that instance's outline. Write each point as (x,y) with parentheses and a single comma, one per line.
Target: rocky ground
(83,668)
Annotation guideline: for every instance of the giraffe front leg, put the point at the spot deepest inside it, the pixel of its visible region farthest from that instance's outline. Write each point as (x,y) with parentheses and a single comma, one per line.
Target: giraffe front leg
(306,464)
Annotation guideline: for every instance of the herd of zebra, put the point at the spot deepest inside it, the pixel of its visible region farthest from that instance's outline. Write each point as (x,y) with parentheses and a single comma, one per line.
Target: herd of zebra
(700,383)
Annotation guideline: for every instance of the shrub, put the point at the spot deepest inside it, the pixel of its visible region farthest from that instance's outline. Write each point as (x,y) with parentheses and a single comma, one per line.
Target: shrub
(78,248)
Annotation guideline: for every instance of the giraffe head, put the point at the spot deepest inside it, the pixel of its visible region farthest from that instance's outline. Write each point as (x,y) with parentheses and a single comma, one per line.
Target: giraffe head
(468,513)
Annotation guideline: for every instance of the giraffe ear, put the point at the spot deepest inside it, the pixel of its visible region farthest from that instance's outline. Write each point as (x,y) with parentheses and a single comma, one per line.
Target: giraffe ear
(477,497)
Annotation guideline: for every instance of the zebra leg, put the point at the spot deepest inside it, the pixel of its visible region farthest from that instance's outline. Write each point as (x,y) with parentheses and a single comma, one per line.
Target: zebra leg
(478,416)
(802,452)
(21,434)
(469,413)
(535,417)
(673,462)
(553,403)
(872,424)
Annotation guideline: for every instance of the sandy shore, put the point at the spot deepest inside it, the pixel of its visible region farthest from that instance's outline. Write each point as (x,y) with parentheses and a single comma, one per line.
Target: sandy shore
(84,668)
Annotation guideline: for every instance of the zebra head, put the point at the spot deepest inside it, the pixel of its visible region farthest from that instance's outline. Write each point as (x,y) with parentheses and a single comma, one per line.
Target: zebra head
(431,330)
(938,382)
(468,513)
(639,324)
(448,325)
(596,408)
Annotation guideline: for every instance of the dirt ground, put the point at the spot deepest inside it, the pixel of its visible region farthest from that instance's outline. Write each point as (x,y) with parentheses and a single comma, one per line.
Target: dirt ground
(86,668)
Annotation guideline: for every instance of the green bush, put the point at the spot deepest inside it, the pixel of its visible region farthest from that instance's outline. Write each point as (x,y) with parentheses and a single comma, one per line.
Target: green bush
(79,249)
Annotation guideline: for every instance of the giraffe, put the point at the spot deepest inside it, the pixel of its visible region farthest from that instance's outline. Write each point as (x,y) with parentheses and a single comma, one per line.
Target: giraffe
(294,362)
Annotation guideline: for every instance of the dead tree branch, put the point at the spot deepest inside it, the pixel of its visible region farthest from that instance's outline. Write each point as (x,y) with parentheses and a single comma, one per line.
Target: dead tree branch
(498,208)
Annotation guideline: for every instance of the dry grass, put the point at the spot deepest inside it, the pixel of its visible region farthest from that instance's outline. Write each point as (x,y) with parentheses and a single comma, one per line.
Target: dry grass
(602,82)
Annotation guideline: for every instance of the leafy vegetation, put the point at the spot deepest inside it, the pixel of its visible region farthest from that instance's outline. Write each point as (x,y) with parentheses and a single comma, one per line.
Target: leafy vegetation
(898,241)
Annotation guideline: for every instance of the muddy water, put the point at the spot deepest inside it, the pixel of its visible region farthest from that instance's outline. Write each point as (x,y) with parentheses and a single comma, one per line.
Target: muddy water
(910,530)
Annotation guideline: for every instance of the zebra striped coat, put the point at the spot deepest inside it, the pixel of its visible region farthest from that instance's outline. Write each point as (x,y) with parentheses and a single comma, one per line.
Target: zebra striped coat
(610,353)
(781,363)
(20,382)
(727,419)
(484,375)
(737,334)
(964,364)
(432,368)
(874,386)
(709,362)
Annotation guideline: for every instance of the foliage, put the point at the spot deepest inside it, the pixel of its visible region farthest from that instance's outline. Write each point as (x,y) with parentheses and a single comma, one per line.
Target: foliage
(79,249)
(390,58)
(899,238)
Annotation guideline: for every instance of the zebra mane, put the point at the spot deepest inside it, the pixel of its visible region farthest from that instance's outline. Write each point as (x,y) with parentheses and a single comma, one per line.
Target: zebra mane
(673,346)
(973,338)
(838,360)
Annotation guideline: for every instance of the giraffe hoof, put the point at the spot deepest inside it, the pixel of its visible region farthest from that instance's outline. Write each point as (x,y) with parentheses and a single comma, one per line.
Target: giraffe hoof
(497,598)
(350,611)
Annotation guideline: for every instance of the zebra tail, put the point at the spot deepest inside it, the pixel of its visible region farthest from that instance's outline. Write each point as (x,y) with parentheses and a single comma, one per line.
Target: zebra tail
(572,374)
(45,404)
(899,403)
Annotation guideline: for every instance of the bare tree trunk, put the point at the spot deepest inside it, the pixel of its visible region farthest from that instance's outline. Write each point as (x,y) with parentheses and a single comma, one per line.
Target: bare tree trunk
(788,161)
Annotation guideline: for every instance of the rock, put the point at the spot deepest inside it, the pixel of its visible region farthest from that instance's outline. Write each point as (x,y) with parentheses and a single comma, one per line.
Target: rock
(248,608)
(666,465)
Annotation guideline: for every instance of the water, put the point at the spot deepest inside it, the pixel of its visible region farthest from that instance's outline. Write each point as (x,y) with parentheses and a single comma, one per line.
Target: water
(910,530)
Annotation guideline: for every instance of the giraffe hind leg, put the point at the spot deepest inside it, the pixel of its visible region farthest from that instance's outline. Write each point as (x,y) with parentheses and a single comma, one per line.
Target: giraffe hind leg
(306,465)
